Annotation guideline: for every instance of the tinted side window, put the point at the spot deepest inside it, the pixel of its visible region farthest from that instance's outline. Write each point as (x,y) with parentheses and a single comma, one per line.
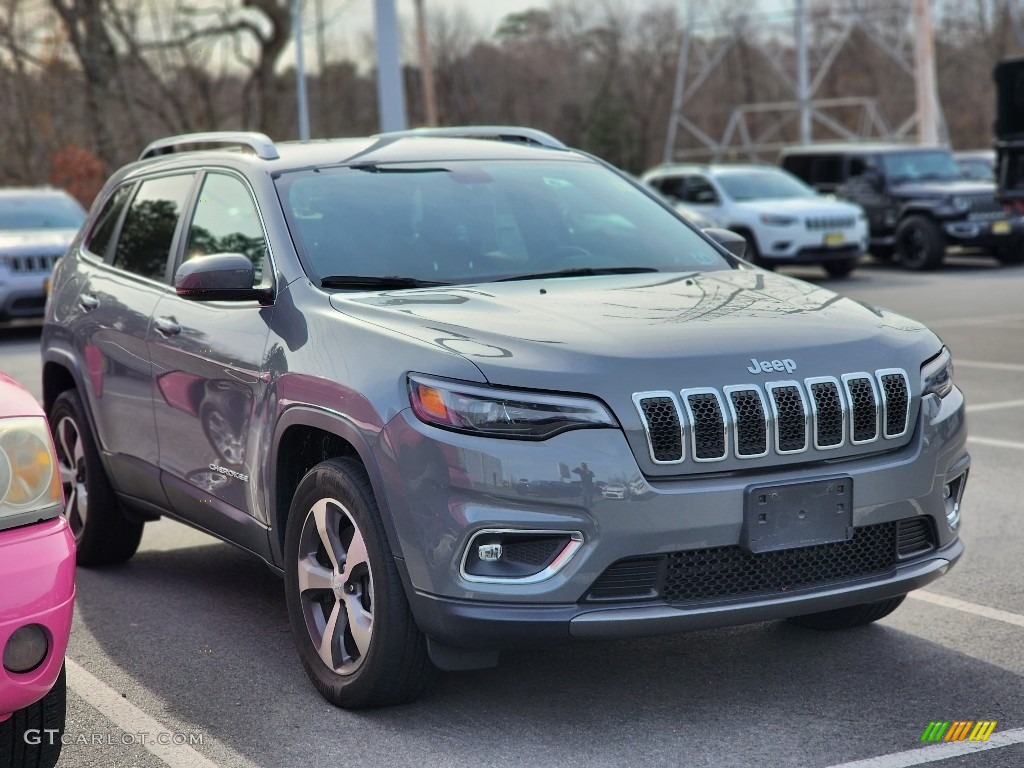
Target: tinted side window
(699,190)
(226,221)
(148,232)
(106,222)
(828,171)
(799,166)
(672,186)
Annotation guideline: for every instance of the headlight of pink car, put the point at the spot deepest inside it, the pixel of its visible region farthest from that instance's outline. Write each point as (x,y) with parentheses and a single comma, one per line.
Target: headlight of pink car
(29,481)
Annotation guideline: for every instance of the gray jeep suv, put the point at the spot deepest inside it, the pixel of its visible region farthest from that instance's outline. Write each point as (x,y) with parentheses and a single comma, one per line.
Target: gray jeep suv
(403,370)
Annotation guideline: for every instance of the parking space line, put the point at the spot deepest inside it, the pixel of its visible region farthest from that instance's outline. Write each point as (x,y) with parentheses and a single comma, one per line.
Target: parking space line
(1014,367)
(994,406)
(935,753)
(984,611)
(993,442)
(133,720)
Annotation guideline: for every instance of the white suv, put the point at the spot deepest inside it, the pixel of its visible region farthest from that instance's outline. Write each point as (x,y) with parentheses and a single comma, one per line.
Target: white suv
(783,220)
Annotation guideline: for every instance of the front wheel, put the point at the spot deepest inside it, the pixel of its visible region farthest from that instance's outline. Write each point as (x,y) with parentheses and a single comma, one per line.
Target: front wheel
(840,267)
(920,244)
(31,737)
(353,628)
(852,616)
(103,535)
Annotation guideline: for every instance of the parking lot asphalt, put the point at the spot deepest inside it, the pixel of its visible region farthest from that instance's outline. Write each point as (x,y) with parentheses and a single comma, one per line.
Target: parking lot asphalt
(189,643)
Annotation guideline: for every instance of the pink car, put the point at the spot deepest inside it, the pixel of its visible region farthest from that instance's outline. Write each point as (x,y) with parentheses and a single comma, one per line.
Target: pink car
(37,583)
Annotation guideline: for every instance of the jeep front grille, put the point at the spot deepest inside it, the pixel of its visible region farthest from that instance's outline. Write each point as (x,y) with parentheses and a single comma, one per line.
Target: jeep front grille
(785,417)
(984,207)
(829,222)
(693,576)
(25,265)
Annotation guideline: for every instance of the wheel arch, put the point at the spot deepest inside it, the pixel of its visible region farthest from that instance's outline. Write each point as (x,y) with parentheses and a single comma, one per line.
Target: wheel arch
(304,437)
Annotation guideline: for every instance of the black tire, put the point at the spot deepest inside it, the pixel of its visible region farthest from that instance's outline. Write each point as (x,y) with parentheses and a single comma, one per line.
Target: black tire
(840,267)
(387,663)
(847,618)
(752,252)
(30,738)
(920,244)
(103,535)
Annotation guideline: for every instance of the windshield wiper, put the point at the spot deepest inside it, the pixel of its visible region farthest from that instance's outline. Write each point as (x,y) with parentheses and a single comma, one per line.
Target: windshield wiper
(579,272)
(372,281)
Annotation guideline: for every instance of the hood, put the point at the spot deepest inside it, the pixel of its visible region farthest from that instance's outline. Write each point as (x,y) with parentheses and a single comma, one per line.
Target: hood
(943,188)
(615,335)
(35,241)
(801,206)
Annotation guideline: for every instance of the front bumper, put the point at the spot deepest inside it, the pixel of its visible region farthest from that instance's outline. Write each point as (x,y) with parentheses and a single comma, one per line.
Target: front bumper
(37,586)
(442,488)
(22,295)
(986,234)
(468,624)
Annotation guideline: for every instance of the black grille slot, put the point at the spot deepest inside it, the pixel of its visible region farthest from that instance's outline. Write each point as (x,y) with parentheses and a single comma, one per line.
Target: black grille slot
(708,426)
(829,413)
(717,573)
(539,552)
(915,537)
(897,400)
(792,419)
(663,426)
(864,415)
(751,424)
(633,579)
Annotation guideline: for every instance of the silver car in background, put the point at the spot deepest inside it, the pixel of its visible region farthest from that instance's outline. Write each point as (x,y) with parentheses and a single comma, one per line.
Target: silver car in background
(36,227)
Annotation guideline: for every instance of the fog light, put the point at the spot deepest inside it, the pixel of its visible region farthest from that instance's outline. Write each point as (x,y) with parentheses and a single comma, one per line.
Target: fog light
(952,493)
(26,648)
(489,552)
(518,556)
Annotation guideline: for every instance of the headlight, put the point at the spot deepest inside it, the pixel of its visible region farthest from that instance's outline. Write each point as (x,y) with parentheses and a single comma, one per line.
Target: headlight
(29,481)
(501,413)
(937,375)
(959,203)
(774,220)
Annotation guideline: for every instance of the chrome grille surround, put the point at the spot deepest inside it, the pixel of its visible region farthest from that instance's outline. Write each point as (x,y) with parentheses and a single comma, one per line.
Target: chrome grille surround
(782,418)
(706,430)
(855,398)
(656,434)
(747,428)
(887,378)
(777,390)
(826,396)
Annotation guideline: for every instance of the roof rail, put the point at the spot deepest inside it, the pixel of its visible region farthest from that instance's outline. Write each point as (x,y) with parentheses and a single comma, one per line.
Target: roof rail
(498,132)
(259,143)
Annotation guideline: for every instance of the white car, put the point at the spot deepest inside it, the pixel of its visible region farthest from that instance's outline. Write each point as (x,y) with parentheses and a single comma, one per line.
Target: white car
(783,220)
(614,491)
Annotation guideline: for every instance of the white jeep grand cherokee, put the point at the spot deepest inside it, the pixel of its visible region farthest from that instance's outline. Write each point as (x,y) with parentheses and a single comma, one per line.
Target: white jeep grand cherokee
(783,220)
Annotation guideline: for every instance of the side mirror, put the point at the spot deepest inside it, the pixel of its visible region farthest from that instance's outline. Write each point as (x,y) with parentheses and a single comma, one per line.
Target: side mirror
(218,277)
(733,243)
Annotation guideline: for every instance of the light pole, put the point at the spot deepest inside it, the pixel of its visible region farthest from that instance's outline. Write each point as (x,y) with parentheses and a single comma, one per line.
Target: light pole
(300,72)
(390,93)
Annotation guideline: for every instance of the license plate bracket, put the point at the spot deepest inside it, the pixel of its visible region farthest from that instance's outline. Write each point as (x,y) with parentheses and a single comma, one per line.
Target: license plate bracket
(1001,227)
(801,514)
(833,239)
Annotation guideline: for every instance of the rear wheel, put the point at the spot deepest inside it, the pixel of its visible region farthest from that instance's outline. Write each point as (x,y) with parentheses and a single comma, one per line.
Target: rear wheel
(31,737)
(920,244)
(352,624)
(103,535)
(840,267)
(847,618)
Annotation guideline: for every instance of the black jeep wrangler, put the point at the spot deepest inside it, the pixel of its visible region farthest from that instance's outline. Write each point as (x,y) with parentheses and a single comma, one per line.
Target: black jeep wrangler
(916,200)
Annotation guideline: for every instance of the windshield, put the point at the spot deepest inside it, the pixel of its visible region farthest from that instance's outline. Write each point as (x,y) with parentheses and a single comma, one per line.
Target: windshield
(931,165)
(467,222)
(40,212)
(762,184)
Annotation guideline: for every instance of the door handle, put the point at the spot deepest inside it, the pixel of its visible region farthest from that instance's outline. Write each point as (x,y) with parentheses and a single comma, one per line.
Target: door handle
(166,326)
(88,302)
